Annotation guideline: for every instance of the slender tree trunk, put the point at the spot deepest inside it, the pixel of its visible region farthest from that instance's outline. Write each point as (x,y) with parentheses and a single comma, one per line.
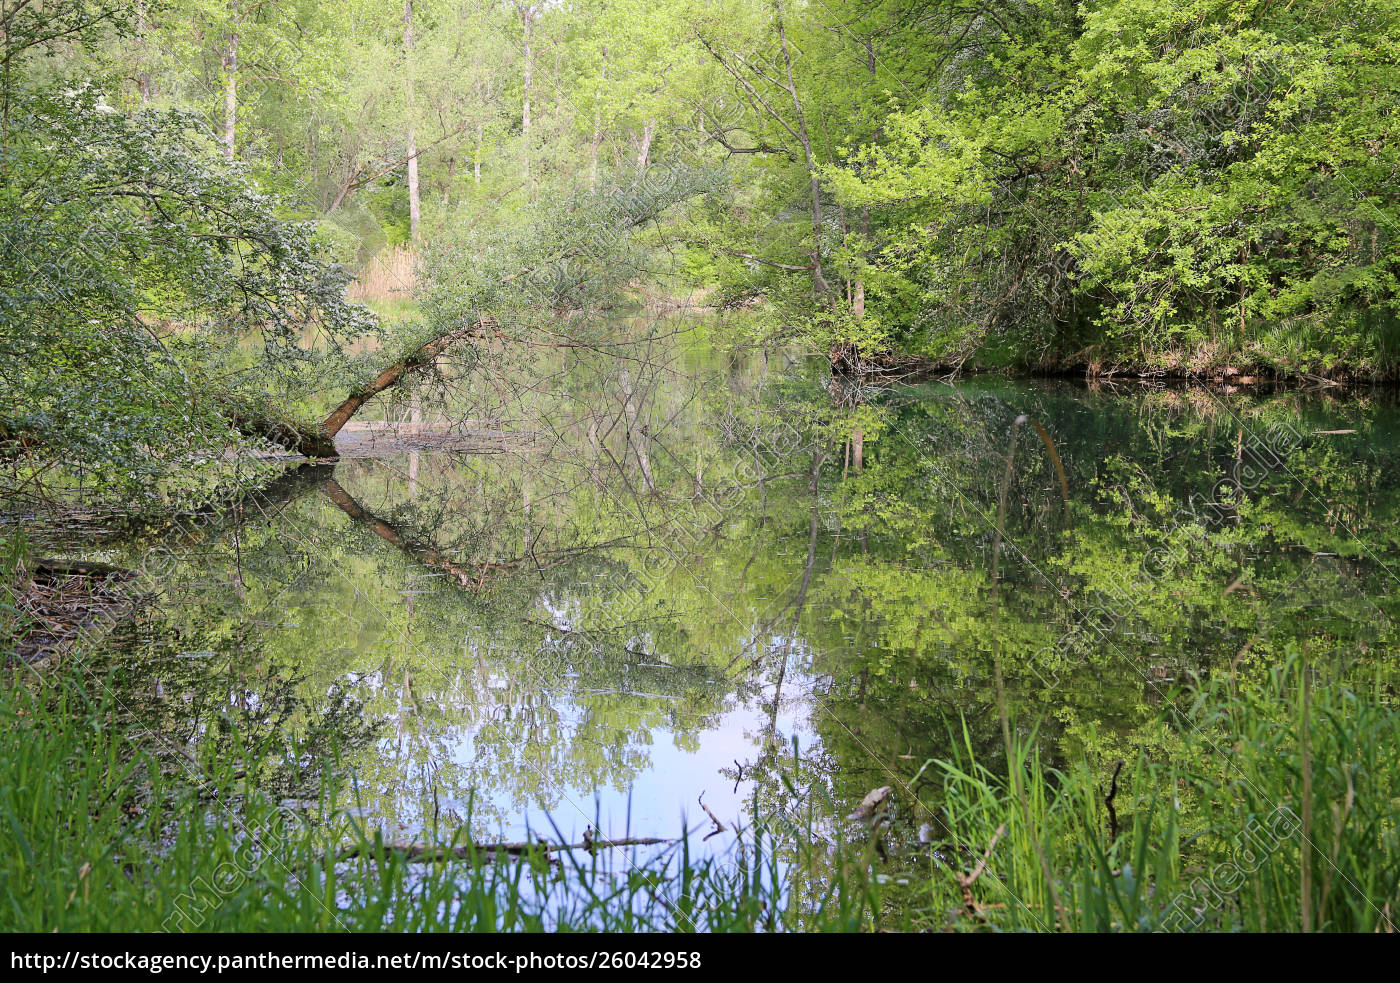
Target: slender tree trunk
(476,158)
(414,203)
(819,284)
(597,143)
(644,150)
(594,147)
(143,75)
(527,19)
(858,294)
(231,81)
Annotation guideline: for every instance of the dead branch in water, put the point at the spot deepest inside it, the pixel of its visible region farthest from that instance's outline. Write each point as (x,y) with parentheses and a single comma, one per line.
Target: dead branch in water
(430,853)
(80,568)
(55,602)
(719,826)
(965,881)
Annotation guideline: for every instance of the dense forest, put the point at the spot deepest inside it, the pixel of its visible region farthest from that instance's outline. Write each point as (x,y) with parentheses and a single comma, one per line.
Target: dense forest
(1167,187)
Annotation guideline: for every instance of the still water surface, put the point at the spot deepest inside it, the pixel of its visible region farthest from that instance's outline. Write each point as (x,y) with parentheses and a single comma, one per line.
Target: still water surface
(646,588)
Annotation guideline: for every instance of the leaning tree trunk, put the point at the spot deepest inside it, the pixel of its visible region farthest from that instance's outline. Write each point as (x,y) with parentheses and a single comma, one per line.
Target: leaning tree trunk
(392,376)
(319,440)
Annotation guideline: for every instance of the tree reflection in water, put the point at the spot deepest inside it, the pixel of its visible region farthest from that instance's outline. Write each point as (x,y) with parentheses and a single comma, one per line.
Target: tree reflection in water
(645,590)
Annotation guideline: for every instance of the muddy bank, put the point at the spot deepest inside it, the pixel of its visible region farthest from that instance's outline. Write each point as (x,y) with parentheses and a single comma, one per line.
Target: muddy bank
(57,602)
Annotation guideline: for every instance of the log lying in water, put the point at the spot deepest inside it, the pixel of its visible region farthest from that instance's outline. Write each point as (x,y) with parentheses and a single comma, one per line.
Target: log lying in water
(80,568)
(430,853)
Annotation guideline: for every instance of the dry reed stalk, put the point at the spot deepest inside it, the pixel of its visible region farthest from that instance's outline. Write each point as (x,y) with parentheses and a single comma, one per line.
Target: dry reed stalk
(388,276)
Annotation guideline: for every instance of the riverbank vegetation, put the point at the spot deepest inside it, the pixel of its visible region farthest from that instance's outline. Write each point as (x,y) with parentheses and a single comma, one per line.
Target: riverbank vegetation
(1289,828)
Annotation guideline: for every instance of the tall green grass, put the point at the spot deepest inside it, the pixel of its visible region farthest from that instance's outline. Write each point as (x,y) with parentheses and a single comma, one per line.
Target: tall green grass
(1278,811)
(101,832)
(98,832)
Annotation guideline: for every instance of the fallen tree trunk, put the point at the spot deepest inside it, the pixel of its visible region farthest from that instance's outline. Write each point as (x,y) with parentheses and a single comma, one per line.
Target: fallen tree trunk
(308,441)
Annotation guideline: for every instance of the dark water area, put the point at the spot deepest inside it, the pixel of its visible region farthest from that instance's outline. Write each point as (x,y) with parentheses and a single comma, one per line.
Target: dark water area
(648,589)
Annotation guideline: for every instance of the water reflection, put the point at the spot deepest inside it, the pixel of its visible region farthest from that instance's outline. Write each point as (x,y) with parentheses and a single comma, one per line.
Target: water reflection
(645,585)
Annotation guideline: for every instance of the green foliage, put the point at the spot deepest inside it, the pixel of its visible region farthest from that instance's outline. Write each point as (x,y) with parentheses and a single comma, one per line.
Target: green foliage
(148,287)
(566,271)
(1172,185)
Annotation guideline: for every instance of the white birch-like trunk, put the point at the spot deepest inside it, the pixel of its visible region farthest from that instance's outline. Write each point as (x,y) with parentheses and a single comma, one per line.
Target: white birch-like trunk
(415,210)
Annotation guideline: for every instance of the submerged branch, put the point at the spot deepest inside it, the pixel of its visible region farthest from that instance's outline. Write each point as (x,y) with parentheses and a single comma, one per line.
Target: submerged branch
(429,853)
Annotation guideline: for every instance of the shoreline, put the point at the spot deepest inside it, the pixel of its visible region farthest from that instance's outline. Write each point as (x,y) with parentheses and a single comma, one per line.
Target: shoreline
(1231,376)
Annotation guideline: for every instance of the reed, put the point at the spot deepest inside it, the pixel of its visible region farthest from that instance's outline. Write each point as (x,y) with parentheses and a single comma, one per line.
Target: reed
(391,275)
(1212,840)
(104,837)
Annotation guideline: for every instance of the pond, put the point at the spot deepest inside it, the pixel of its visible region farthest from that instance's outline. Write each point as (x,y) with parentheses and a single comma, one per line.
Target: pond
(676,597)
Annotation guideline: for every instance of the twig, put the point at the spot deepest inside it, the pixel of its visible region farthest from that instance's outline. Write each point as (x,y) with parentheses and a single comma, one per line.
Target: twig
(1108,802)
(718,826)
(965,881)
